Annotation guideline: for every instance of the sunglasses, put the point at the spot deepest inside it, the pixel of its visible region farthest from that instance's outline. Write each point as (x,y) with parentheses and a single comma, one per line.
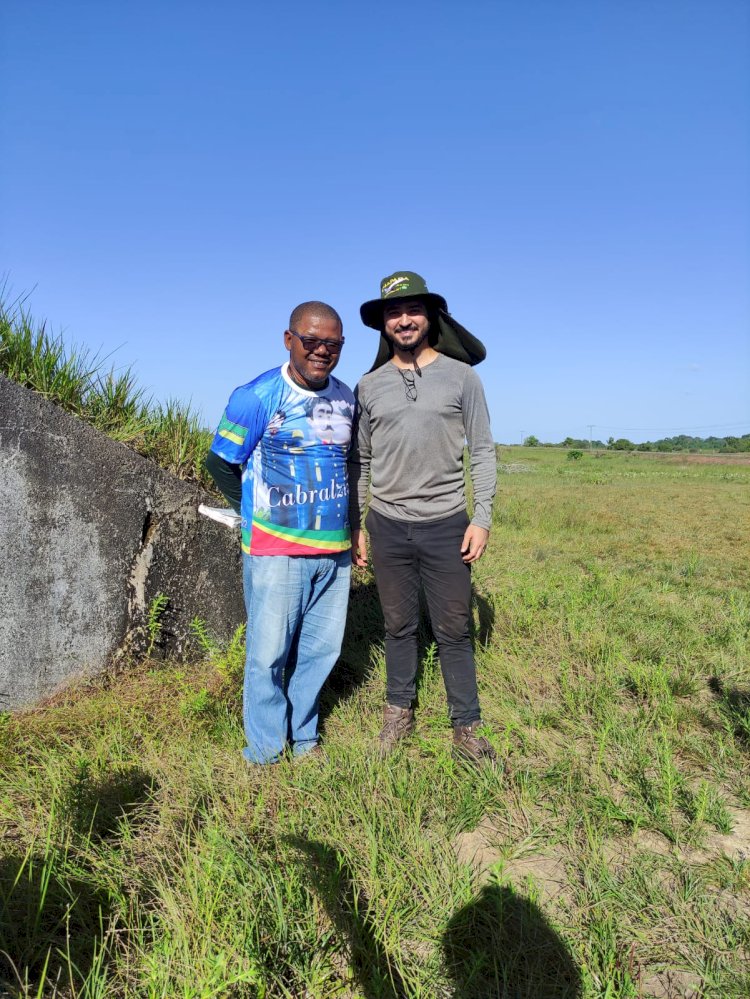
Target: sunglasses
(410,383)
(311,343)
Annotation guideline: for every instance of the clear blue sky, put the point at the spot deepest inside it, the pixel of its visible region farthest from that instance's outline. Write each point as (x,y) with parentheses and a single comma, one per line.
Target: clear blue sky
(573,177)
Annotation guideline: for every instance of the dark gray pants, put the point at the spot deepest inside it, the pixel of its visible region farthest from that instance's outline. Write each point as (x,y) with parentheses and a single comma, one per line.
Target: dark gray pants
(405,553)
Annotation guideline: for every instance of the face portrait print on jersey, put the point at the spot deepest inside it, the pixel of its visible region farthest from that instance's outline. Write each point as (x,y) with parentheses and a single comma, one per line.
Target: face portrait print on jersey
(293,443)
(300,493)
(320,418)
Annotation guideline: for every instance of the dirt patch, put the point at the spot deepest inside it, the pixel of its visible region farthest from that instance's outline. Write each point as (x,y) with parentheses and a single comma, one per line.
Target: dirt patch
(545,870)
(710,459)
(514,467)
(618,852)
(673,984)
(735,845)
(686,458)
(480,847)
(654,842)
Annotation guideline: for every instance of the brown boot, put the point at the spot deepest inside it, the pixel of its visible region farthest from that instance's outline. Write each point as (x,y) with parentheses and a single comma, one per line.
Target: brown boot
(467,745)
(398,724)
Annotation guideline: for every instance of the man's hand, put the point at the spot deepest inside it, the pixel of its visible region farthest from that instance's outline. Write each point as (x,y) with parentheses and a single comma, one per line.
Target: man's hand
(359,547)
(474,543)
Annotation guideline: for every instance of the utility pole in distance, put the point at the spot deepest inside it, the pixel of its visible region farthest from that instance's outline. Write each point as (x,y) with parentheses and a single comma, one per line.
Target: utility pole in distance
(591,434)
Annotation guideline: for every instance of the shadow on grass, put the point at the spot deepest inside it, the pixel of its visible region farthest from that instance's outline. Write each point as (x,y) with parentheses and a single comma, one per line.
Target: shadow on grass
(53,916)
(499,946)
(95,805)
(51,923)
(349,910)
(734,705)
(483,622)
(365,629)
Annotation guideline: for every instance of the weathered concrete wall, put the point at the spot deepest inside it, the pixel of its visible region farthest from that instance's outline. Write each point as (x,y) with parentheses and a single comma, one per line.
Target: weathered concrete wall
(90,533)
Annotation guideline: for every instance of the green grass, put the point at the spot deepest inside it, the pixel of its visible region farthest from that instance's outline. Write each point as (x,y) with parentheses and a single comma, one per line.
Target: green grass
(83,384)
(609,857)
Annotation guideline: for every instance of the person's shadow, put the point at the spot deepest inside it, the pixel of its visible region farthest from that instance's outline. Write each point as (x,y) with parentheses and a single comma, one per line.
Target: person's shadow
(348,909)
(53,909)
(483,620)
(364,626)
(498,946)
(51,922)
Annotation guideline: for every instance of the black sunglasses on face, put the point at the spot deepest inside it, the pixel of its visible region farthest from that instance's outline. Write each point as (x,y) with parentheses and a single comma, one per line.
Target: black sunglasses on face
(311,343)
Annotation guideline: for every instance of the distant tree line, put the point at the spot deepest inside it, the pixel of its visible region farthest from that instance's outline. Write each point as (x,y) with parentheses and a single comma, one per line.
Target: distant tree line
(720,445)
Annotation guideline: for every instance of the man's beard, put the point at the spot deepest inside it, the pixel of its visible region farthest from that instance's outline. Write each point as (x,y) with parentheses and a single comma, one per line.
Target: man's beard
(411,349)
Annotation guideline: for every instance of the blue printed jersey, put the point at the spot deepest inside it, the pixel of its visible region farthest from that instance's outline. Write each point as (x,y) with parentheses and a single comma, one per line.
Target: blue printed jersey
(293,445)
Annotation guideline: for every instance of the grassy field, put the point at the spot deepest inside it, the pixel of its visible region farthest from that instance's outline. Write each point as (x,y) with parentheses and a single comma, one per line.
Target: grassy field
(608,857)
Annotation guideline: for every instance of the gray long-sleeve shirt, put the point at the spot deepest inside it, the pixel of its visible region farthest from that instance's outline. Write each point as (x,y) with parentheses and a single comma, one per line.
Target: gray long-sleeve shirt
(410,452)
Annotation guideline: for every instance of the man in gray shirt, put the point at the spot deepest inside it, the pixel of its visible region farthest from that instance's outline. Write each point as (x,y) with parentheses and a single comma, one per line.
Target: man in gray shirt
(416,407)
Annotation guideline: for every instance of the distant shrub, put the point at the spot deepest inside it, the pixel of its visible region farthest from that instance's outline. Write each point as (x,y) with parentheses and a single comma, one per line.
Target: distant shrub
(575,454)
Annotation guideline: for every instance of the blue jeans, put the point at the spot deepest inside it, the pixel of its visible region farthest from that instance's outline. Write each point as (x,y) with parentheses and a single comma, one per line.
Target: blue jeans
(296,612)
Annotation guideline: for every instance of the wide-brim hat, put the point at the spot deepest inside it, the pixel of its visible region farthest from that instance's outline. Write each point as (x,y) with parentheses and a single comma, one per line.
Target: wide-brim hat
(447,336)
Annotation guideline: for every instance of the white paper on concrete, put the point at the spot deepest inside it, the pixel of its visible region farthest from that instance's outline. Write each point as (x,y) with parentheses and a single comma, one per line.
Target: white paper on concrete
(223,515)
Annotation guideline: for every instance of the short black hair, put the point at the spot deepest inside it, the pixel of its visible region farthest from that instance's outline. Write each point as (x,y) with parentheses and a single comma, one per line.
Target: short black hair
(318,309)
(312,404)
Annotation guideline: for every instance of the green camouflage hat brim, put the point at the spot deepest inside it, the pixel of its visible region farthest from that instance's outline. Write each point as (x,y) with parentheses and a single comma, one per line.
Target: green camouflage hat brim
(372,312)
(399,285)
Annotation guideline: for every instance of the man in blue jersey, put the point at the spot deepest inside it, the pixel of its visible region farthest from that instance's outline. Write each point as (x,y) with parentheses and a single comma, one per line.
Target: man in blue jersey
(279,458)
